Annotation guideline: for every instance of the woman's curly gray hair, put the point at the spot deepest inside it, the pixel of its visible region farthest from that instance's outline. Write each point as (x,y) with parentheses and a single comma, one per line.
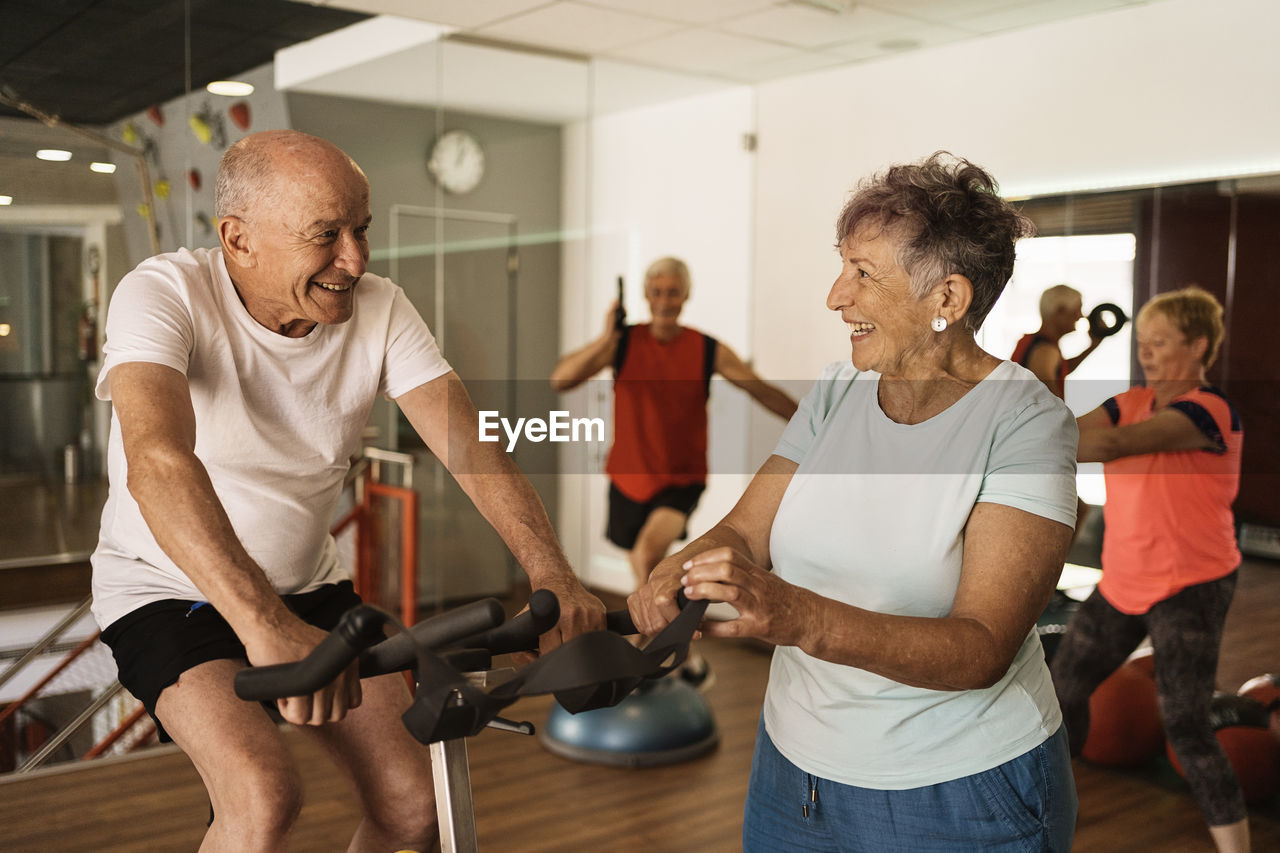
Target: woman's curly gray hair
(948,218)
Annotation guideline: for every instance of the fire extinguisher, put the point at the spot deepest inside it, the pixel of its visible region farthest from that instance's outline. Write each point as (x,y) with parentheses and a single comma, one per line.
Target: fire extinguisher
(87,333)
(87,324)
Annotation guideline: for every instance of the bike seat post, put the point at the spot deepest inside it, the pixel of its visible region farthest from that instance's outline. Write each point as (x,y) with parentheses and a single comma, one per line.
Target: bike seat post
(454,809)
(451,773)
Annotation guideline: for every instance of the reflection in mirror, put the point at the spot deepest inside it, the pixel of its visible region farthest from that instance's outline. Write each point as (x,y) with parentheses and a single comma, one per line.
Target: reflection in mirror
(467,203)
(52,275)
(61,244)
(62,247)
(138,180)
(1218,235)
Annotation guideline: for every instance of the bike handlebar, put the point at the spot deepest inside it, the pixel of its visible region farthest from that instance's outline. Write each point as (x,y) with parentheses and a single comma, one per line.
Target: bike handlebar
(397,652)
(477,625)
(520,633)
(355,630)
(593,670)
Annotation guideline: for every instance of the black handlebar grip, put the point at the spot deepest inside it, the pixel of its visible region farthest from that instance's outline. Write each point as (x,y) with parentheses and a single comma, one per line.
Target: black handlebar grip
(520,633)
(299,678)
(1098,324)
(399,652)
(619,622)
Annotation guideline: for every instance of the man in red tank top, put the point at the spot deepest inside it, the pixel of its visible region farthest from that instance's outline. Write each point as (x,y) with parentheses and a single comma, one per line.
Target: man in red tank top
(1061,308)
(657,466)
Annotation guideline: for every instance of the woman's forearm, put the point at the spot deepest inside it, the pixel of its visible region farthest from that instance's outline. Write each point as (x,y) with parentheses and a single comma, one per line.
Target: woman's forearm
(1095,446)
(934,653)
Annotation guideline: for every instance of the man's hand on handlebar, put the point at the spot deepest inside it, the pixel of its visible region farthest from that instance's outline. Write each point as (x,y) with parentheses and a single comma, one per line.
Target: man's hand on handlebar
(580,612)
(293,641)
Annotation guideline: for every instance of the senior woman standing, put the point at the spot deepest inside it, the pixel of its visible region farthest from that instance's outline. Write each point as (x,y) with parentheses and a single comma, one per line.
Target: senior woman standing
(1169,557)
(897,549)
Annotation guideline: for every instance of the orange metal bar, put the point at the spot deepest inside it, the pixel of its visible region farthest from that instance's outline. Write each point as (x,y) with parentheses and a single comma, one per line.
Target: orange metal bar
(148,729)
(366,577)
(115,734)
(409,559)
(408,546)
(369,585)
(347,520)
(52,674)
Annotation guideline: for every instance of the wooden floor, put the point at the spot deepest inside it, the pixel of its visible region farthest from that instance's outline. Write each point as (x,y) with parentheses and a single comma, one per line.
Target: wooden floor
(529,800)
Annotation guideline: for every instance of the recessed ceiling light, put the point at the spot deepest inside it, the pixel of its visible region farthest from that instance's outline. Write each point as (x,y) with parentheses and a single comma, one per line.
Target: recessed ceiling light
(230,88)
(56,154)
(5,199)
(104,168)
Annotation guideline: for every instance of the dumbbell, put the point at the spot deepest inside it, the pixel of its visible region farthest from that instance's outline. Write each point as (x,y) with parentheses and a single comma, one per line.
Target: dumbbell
(1102,327)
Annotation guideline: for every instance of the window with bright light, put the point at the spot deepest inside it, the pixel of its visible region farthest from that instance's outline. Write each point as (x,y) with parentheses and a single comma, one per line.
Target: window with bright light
(1100,266)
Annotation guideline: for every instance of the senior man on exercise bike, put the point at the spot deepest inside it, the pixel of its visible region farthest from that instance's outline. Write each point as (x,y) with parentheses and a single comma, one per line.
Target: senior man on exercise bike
(241,379)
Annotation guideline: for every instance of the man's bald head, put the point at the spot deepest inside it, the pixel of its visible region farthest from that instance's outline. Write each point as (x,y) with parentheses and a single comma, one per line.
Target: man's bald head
(257,168)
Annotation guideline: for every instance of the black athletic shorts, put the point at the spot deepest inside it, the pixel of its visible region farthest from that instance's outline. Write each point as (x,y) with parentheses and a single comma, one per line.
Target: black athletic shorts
(156,643)
(626,517)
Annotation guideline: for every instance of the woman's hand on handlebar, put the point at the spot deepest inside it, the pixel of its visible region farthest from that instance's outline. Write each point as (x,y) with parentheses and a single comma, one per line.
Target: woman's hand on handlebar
(769,608)
(654,605)
(293,641)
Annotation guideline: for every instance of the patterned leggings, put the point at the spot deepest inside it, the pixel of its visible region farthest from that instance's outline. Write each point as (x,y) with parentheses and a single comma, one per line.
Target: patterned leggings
(1186,632)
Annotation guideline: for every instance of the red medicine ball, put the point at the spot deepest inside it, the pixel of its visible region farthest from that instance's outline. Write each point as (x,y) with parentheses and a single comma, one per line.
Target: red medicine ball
(1125,729)
(1240,724)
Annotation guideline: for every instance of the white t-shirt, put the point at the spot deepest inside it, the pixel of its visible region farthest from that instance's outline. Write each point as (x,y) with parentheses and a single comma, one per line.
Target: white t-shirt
(874,517)
(277,419)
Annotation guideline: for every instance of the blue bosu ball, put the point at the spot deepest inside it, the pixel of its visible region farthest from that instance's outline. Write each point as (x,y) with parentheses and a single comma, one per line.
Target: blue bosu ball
(663,721)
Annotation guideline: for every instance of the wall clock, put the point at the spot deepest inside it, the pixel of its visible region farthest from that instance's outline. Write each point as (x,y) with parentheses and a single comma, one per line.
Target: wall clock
(456,161)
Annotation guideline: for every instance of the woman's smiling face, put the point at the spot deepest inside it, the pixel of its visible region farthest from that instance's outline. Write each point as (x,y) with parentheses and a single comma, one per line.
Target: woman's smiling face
(888,326)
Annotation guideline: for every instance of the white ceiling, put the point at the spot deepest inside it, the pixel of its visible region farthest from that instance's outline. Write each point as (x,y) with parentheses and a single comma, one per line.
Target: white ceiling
(742,41)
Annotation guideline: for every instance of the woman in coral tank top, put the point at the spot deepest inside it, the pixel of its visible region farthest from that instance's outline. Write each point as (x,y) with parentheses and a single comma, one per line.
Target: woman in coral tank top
(1171,451)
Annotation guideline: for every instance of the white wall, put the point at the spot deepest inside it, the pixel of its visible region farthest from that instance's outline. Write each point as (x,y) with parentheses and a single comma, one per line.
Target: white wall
(668,180)
(1173,90)
(182,203)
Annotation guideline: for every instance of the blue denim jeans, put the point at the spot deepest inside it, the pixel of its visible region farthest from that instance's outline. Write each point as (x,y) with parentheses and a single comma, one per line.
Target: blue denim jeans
(1026,804)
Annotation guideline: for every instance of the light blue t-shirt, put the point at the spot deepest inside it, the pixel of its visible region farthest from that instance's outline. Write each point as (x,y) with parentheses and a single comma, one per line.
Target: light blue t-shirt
(874,517)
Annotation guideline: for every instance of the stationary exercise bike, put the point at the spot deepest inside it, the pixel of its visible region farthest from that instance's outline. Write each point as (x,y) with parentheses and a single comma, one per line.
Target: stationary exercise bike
(451,658)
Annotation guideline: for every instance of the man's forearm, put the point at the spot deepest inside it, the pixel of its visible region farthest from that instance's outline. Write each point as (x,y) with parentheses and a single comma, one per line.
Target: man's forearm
(508,501)
(775,400)
(1074,362)
(181,508)
(581,364)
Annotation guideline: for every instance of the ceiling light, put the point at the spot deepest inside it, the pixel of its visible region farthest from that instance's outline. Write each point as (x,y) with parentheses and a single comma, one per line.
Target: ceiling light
(5,199)
(55,154)
(104,168)
(5,328)
(230,88)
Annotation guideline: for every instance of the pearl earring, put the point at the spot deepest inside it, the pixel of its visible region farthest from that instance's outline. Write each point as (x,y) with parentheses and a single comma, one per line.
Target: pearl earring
(939,323)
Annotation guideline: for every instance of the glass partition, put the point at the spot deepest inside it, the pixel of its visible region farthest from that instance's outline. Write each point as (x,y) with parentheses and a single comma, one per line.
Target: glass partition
(65,219)
(1127,246)
(463,146)
(511,190)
